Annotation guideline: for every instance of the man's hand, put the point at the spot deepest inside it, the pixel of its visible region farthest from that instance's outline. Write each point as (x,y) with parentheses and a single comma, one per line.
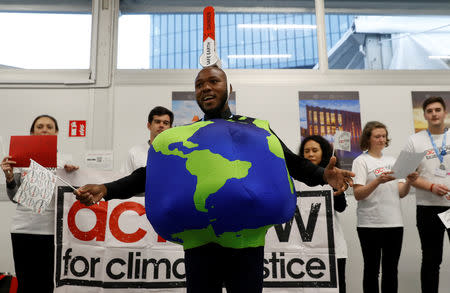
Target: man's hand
(339,179)
(90,194)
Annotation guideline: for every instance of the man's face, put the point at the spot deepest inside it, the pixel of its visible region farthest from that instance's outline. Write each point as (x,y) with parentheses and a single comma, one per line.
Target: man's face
(158,124)
(435,114)
(211,90)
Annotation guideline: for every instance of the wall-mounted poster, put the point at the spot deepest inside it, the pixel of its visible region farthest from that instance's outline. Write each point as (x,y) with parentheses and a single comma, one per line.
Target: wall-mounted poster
(322,113)
(417,100)
(186,110)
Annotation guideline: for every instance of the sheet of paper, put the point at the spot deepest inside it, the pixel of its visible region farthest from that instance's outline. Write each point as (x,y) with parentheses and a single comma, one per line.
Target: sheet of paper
(342,140)
(40,148)
(36,190)
(100,160)
(445,218)
(406,163)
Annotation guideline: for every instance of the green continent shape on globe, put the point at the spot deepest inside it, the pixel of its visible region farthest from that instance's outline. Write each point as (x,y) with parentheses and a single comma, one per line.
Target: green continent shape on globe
(274,144)
(240,239)
(212,170)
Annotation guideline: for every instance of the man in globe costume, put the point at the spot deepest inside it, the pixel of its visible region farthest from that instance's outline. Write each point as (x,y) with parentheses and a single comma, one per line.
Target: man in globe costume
(236,264)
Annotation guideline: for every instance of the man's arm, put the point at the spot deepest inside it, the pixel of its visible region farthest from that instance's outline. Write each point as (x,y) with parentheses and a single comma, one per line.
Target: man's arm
(305,171)
(128,186)
(123,188)
(438,189)
(302,169)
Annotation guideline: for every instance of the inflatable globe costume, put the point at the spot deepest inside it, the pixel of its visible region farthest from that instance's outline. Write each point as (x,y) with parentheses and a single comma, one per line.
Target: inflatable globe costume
(224,181)
(228,183)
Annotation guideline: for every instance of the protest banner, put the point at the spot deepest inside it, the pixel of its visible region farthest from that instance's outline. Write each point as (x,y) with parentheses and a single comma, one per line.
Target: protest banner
(111,245)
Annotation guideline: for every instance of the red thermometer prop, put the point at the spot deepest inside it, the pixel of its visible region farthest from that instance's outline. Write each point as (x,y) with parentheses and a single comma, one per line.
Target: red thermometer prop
(209,56)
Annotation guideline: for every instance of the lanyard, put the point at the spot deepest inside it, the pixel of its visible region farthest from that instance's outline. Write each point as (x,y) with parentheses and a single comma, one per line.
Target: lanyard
(443,150)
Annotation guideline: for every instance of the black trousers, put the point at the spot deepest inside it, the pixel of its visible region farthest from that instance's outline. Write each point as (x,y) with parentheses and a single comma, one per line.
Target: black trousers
(341,274)
(211,266)
(431,233)
(380,245)
(33,262)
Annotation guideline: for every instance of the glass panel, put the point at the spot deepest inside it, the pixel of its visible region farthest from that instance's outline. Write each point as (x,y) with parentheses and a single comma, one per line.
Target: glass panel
(380,42)
(51,40)
(244,40)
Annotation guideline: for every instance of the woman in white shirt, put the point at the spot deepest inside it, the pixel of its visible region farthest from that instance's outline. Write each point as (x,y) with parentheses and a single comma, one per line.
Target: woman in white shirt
(319,151)
(32,234)
(379,216)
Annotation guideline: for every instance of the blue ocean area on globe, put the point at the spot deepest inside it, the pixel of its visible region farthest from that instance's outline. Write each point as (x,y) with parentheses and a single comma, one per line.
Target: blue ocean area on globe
(222,181)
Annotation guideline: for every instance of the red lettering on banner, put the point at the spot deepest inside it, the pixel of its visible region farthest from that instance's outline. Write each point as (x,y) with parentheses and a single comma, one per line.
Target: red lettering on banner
(98,232)
(114,222)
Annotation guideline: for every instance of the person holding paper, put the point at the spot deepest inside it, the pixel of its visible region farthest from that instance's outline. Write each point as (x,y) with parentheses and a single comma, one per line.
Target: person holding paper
(32,234)
(238,264)
(159,119)
(319,151)
(379,216)
(432,186)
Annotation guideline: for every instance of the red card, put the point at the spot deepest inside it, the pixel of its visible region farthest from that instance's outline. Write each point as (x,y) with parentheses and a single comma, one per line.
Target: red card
(40,148)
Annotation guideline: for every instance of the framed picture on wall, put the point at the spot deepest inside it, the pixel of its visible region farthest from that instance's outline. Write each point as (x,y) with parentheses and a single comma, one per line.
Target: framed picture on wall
(186,110)
(417,100)
(322,113)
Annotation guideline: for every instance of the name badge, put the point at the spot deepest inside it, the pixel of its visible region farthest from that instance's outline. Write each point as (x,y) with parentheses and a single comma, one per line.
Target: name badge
(440,173)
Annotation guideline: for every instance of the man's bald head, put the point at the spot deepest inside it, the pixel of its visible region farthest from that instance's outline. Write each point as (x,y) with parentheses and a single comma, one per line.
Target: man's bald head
(211,90)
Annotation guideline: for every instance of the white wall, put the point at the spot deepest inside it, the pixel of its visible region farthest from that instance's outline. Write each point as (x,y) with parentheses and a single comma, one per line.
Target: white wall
(271,95)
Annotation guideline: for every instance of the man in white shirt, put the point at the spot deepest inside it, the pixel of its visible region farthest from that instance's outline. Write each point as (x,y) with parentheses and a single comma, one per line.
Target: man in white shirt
(159,119)
(431,188)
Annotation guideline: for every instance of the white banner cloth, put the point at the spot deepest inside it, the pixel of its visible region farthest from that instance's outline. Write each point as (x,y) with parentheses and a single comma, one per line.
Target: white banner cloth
(111,246)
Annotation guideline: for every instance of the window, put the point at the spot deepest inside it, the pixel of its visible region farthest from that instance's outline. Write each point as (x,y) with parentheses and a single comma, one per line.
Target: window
(55,38)
(382,42)
(244,40)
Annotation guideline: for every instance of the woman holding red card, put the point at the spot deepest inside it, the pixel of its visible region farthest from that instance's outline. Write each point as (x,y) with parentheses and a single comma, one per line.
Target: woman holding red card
(32,234)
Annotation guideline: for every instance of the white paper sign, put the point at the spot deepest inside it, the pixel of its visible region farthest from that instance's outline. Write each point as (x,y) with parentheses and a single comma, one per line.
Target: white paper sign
(36,190)
(445,218)
(406,163)
(100,160)
(342,140)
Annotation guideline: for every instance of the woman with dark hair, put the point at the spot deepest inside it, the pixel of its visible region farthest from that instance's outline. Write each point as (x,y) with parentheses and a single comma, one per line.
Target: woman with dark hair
(380,223)
(319,151)
(32,234)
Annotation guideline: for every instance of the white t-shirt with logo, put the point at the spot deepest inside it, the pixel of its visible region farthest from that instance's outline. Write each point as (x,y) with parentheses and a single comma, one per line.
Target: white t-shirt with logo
(381,209)
(418,143)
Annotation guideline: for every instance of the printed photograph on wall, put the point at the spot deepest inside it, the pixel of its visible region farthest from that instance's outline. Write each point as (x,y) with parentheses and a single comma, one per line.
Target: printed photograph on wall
(322,113)
(417,100)
(186,110)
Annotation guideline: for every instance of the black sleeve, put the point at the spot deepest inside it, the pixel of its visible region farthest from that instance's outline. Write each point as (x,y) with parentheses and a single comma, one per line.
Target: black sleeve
(128,186)
(302,169)
(11,184)
(340,202)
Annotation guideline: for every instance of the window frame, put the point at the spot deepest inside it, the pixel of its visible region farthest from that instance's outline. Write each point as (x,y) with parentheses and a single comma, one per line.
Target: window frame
(98,73)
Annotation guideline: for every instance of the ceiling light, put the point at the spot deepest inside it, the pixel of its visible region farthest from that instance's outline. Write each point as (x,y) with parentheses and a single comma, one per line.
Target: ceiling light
(439,57)
(276,26)
(266,56)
